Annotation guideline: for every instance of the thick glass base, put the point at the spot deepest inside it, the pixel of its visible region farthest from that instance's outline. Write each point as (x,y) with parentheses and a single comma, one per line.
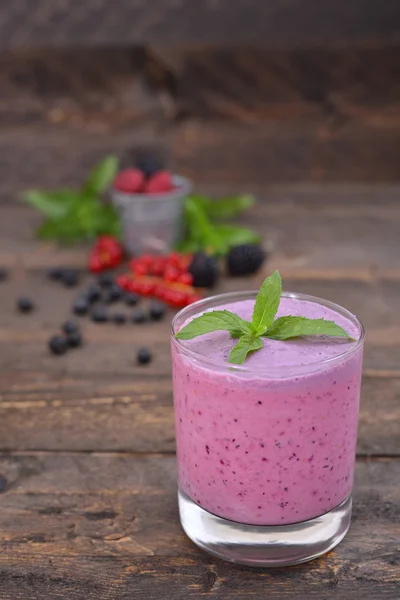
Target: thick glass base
(264,546)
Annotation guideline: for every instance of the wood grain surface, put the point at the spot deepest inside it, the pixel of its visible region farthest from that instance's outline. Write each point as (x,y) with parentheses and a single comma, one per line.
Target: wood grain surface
(87,468)
(46,23)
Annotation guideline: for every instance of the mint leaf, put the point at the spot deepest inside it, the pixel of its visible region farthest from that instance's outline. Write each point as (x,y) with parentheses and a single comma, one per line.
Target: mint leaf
(289,327)
(247,343)
(217,320)
(226,208)
(102,176)
(232,235)
(51,204)
(201,229)
(267,303)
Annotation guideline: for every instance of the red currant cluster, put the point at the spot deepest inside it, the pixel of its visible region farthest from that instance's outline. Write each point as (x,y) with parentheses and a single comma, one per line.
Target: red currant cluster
(164,277)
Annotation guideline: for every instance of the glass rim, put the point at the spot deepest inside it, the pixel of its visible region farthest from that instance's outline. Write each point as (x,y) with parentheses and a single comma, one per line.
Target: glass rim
(183,188)
(286,371)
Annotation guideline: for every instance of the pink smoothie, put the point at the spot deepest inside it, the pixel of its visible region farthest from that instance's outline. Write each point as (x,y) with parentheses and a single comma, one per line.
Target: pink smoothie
(275,443)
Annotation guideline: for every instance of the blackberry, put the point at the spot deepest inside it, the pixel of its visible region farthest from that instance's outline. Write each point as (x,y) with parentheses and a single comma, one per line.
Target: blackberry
(69,278)
(245,259)
(113,294)
(131,299)
(139,316)
(3,274)
(149,164)
(105,280)
(99,314)
(204,269)
(58,344)
(94,293)
(119,318)
(144,356)
(81,306)
(74,339)
(70,327)
(24,304)
(157,311)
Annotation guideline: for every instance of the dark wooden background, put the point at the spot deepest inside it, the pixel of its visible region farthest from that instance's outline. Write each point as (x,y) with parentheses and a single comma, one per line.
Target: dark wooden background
(298,101)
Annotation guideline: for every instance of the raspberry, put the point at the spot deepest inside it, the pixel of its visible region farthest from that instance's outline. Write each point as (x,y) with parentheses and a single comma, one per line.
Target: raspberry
(245,259)
(159,183)
(130,181)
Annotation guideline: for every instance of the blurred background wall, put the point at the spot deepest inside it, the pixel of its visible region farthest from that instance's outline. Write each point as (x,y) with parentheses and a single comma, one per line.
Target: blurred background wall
(233,90)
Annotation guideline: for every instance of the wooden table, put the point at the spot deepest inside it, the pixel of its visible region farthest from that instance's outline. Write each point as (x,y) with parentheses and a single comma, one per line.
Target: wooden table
(87,469)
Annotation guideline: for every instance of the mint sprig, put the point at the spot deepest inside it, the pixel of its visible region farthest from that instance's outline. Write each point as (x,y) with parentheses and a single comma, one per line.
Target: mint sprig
(263,323)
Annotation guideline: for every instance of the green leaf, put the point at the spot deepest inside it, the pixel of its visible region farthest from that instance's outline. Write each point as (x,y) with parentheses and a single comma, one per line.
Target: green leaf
(51,204)
(246,344)
(227,208)
(201,230)
(102,176)
(289,327)
(232,235)
(267,303)
(217,320)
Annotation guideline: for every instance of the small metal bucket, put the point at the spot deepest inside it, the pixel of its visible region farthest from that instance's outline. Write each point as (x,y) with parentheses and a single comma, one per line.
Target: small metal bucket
(152,222)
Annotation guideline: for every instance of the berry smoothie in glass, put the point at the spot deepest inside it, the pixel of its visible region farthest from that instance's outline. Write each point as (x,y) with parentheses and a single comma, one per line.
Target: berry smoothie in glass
(266,433)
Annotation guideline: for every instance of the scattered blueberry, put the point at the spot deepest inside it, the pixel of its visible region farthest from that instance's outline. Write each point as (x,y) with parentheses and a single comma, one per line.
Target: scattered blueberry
(74,339)
(157,311)
(105,279)
(24,304)
(3,483)
(69,278)
(56,273)
(119,318)
(245,259)
(99,314)
(58,344)
(204,269)
(144,356)
(113,294)
(131,299)
(81,306)
(3,274)
(139,316)
(94,293)
(70,327)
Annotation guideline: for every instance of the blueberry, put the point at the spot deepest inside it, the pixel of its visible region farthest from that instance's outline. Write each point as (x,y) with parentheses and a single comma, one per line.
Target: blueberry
(70,327)
(99,314)
(3,274)
(81,306)
(24,305)
(131,299)
(69,278)
(56,274)
(94,293)
(113,294)
(58,344)
(119,318)
(74,339)
(144,356)
(139,316)
(157,311)
(105,280)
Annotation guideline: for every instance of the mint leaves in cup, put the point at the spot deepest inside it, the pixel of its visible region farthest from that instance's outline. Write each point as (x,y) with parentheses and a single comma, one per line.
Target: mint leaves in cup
(263,324)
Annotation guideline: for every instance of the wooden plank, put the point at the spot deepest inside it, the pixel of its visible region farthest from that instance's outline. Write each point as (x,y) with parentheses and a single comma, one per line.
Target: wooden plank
(127,414)
(242,21)
(107,526)
(265,153)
